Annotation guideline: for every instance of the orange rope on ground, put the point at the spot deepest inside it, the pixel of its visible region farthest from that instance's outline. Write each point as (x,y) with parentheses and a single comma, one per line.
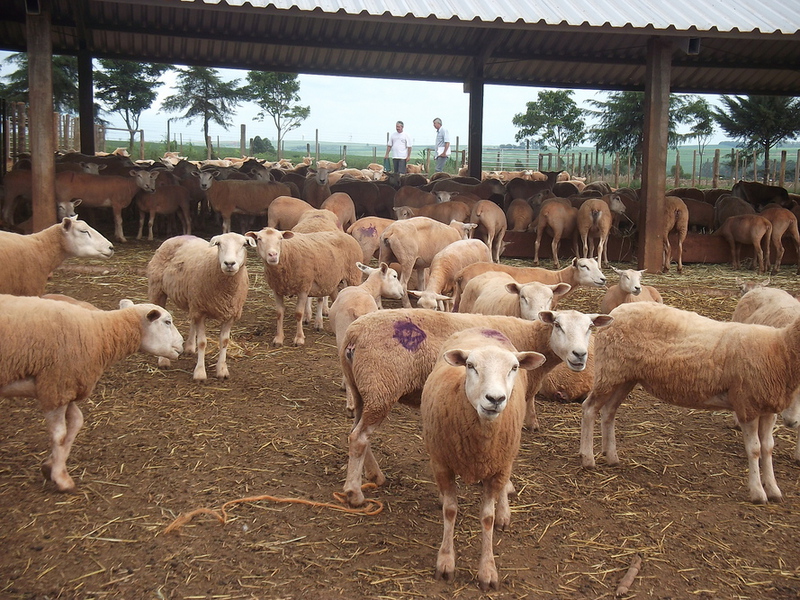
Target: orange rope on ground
(371,508)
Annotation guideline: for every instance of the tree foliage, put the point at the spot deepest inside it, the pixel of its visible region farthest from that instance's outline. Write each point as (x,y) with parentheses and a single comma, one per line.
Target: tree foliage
(760,122)
(259,145)
(65,82)
(553,119)
(201,93)
(128,88)
(699,115)
(276,94)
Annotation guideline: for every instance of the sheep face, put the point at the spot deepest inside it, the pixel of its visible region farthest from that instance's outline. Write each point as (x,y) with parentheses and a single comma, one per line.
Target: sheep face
(390,283)
(536,297)
(570,336)
(231,251)
(589,273)
(490,374)
(268,243)
(630,280)
(160,337)
(81,240)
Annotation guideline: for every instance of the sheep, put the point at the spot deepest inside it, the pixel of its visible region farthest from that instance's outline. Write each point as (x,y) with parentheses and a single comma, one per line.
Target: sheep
(565,385)
(747,229)
(105,190)
(27,260)
(784,223)
(367,232)
(519,215)
(63,209)
(303,265)
(387,355)
(629,289)
(594,220)
(57,351)
(472,406)
(685,359)
(408,195)
(340,204)
(497,293)
(776,308)
(316,188)
(446,264)
(356,300)
(444,212)
(727,206)
(331,166)
(246,196)
(284,212)
(317,219)
(491,226)
(209,279)
(165,200)
(560,221)
(580,272)
(412,243)
(676,218)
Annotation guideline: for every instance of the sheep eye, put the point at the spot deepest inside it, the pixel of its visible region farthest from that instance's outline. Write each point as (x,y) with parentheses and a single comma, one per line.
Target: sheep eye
(515,368)
(471,366)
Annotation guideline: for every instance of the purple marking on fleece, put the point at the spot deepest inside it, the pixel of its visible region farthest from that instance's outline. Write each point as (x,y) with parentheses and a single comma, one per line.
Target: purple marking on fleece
(371,231)
(493,333)
(409,335)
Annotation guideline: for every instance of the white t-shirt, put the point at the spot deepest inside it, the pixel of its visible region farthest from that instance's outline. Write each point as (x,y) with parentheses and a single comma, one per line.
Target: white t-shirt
(442,138)
(400,143)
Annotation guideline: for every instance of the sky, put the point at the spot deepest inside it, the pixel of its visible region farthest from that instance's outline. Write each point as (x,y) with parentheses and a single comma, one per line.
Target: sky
(358,111)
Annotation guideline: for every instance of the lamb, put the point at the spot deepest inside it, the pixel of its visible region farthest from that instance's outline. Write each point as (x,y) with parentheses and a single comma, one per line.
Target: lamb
(165,200)
(231,196)
(387,355)
(754,230)
(491,226)
(581,272)
(472,406)
(412,243)
(685,359)
(497,293)
(27,260)
(629,289)
(446,264)
(367,232)
(209,279)
(303,265)
(57,351)
(776,308)
(105,190)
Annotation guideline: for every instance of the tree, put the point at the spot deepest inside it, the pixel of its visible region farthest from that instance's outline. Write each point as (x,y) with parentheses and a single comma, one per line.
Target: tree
(697,113)
(200,92)
(621,127)
(128,88)
(65,82)
(276,95)
(760,121)
(259,145)
(553,119)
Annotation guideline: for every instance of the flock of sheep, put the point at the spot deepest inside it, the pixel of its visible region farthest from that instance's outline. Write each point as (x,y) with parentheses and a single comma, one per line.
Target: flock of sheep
(475,377)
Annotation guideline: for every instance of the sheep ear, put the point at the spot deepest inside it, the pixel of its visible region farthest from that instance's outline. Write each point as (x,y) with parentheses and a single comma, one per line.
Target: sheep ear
(77,201)
(443,297)
(384,268)
(601,320)
(547,316)
(287,235)
(250,240)
(125,303)
(214,241)
(512,288)
(67,223)
(456,357)
(251,235)
(416,293)
(364,268)
(616,270)
(530,360)
(560,289)
(153,315)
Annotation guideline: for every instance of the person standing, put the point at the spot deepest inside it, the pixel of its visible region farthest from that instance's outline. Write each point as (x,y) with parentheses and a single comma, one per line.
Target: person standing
(400,147)
(442,145)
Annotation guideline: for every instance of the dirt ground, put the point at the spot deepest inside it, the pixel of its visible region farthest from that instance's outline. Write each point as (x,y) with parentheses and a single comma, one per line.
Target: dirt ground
(156,445)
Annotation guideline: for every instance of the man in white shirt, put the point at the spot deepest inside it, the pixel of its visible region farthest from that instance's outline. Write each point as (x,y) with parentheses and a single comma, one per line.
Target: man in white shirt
(400,147)
(442,145)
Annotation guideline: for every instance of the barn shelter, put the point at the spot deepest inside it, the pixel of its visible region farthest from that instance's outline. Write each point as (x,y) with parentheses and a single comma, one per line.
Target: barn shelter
(695,46)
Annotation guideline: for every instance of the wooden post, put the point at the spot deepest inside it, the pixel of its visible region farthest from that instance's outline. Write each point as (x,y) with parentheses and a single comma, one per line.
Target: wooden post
(677,169)
(616,169)
(755,166)
(715,172)
(797,172)
(630,175)
(603,168)
(735,169)
(782,177)
(86,102)
(243,140)
(141,144)
(694,166)
(40,94)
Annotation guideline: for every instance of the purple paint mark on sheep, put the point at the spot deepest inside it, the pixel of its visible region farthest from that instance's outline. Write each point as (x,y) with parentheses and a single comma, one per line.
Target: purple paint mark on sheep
(409,335)
(494,334)
(370,231)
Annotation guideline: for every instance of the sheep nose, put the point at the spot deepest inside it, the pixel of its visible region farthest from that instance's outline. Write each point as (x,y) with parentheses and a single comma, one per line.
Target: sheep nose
(230,263)
(496,400)
(579,355)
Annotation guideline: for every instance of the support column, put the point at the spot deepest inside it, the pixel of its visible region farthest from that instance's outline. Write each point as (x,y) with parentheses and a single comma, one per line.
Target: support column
(86,102)
(42,131)
(654,154)
(475,87)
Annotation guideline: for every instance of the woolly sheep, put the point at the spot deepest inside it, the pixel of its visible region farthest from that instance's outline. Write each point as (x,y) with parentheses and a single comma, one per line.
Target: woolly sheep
(497,293)
(473,405)
(367,232)
(776,308)
(165,200)
(209,279)
(387,355)
(26,261)
(316,188)
(685,359)
(629,289)
(303,265)
(446,264)
(285,212)
(57,351)
(341,204)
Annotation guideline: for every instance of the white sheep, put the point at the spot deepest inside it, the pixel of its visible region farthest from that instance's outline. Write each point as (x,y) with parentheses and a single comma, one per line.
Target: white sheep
(303,265)
(497,293)
(629,289)
(209,279)
(26,261)
(56,352)
(473,405)
(685,359)
(446,264)
(776,308)
(412,243)
(387,355)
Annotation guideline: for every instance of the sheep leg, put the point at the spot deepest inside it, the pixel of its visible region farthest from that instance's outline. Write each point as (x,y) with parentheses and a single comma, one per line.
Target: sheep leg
(118,225)
(199,325)
(502,512)
(360,452)
(63,423)
(531,420)
(446,559)
(141,225)
(299,310)
(752,447)
(681,237)
(487,570)
(608,416)
(536,245)
(321,302)
(554,249)
(667,254)
(224,339)
(150,225)
(759,254)
(779,250)
(280,310)
(307,312)
(601,244)
(190,347)
(766,424)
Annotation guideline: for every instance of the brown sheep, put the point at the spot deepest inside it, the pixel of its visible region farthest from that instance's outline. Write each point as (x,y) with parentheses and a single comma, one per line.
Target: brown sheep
(519,215)
(560,221)
(340,204)
(784,223)
(754,230)
(491,226)
(676,218)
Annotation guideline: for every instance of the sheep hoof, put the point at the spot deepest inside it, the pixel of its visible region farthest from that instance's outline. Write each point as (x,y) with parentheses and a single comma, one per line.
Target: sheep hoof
(446,567)
(299,341)
(277,342)
(355,498)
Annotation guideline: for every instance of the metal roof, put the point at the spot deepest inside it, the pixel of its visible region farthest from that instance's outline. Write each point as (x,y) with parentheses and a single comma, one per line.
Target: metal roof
(595,45)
